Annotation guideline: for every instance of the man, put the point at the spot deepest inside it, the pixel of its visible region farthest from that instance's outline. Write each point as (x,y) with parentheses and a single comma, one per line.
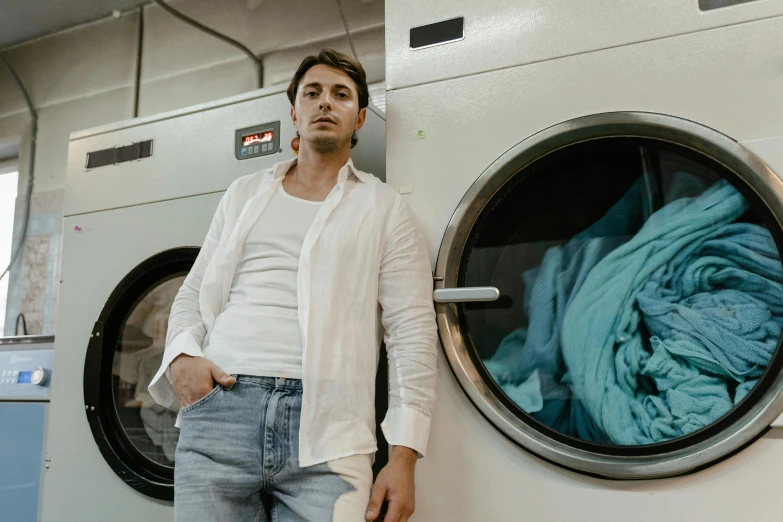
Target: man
(280,310)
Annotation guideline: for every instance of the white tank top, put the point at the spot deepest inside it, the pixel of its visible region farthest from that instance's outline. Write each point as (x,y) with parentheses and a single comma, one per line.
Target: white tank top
(258,332)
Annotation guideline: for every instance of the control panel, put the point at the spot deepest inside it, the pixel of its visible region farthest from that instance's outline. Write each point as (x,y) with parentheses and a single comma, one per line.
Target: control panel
(25,374)
(259,140)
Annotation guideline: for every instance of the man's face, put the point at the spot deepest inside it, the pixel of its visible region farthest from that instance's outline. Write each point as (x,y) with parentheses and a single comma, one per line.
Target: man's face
(326,112)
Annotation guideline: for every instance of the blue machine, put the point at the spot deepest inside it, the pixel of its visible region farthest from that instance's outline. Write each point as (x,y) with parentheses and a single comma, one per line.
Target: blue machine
(25,386)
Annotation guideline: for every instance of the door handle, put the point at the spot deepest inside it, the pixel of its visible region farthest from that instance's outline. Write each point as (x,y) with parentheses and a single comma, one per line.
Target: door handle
(471,294)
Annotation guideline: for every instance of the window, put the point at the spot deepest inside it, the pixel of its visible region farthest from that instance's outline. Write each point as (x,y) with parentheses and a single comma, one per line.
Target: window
(9,178)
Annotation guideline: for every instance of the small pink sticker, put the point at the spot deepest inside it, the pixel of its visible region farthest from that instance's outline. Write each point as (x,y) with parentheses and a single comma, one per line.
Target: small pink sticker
(77,228)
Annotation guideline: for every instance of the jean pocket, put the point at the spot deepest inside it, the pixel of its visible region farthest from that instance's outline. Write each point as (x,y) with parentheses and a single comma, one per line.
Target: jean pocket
(202,400)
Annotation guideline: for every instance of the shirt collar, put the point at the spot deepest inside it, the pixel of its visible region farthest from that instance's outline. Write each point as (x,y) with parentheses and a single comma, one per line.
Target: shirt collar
(281,168)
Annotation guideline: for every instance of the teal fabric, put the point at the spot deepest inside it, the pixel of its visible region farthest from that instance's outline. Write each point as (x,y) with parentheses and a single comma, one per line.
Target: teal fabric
(528,364)
(671,329)
(646,328)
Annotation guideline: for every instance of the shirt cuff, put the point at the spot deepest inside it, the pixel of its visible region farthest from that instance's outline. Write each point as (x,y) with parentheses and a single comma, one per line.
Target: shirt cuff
(161,388)
(407,427)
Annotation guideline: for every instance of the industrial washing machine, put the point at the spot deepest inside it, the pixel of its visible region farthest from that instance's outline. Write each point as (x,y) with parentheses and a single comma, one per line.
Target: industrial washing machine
(139,200)
(584,173)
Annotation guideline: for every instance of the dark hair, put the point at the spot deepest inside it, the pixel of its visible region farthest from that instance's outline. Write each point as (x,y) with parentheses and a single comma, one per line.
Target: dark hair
(341,62)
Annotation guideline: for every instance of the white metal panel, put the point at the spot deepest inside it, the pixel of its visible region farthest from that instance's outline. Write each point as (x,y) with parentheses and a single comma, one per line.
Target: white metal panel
(505,33)
(500,109)
(193,152)
(79,484)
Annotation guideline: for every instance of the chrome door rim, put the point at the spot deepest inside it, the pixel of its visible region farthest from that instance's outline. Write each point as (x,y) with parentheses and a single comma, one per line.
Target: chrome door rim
(748,168)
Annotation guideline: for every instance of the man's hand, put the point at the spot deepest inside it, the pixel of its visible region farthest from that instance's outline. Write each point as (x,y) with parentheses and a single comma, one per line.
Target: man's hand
(395,484)
(194,377)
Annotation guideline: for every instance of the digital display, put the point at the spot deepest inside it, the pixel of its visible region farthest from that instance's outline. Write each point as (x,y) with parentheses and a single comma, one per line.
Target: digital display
(259,137)
(25,377)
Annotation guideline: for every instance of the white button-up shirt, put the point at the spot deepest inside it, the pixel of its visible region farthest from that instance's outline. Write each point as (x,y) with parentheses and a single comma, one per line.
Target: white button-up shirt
(364,251)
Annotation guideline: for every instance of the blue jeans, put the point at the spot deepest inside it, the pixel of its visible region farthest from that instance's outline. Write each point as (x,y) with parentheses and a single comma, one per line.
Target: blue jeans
(238,460)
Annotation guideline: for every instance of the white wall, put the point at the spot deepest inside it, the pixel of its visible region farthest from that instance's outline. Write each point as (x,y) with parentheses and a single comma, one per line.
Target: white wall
(84,77)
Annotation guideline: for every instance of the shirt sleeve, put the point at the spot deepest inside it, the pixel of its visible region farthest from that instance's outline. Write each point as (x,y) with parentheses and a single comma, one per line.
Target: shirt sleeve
(408,318)
(186,329)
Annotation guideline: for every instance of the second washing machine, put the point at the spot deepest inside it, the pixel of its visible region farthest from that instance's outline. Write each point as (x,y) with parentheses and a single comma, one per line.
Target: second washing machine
(139,200)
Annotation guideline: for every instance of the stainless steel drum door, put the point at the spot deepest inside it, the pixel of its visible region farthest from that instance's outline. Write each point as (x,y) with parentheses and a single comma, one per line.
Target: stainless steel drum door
(610,295)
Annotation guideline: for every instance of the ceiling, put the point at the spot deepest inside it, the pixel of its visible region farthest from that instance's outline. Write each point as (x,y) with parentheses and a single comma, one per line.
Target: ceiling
(22,20)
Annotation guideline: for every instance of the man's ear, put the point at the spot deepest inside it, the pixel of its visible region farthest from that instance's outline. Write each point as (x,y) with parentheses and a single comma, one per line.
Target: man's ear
(361,118)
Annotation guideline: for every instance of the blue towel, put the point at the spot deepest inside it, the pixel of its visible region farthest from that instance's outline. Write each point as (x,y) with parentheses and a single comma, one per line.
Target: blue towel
(528,364)
(710,294)
(719,301)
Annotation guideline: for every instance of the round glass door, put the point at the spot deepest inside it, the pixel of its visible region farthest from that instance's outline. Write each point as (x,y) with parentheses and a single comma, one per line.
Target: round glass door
(138,355)
(639,302)
(135,435)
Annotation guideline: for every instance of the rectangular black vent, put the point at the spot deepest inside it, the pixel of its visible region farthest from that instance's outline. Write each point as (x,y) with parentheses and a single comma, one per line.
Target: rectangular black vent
(438,33)
(115,155)
(708,5)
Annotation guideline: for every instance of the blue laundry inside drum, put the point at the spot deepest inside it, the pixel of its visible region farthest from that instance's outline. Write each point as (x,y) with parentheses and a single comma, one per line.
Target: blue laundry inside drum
(644,329)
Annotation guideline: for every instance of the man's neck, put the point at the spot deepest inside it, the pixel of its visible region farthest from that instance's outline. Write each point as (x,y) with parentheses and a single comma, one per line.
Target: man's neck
(317,170)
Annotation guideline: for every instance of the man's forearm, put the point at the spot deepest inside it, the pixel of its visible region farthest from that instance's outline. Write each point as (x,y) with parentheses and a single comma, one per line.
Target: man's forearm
(404,454)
